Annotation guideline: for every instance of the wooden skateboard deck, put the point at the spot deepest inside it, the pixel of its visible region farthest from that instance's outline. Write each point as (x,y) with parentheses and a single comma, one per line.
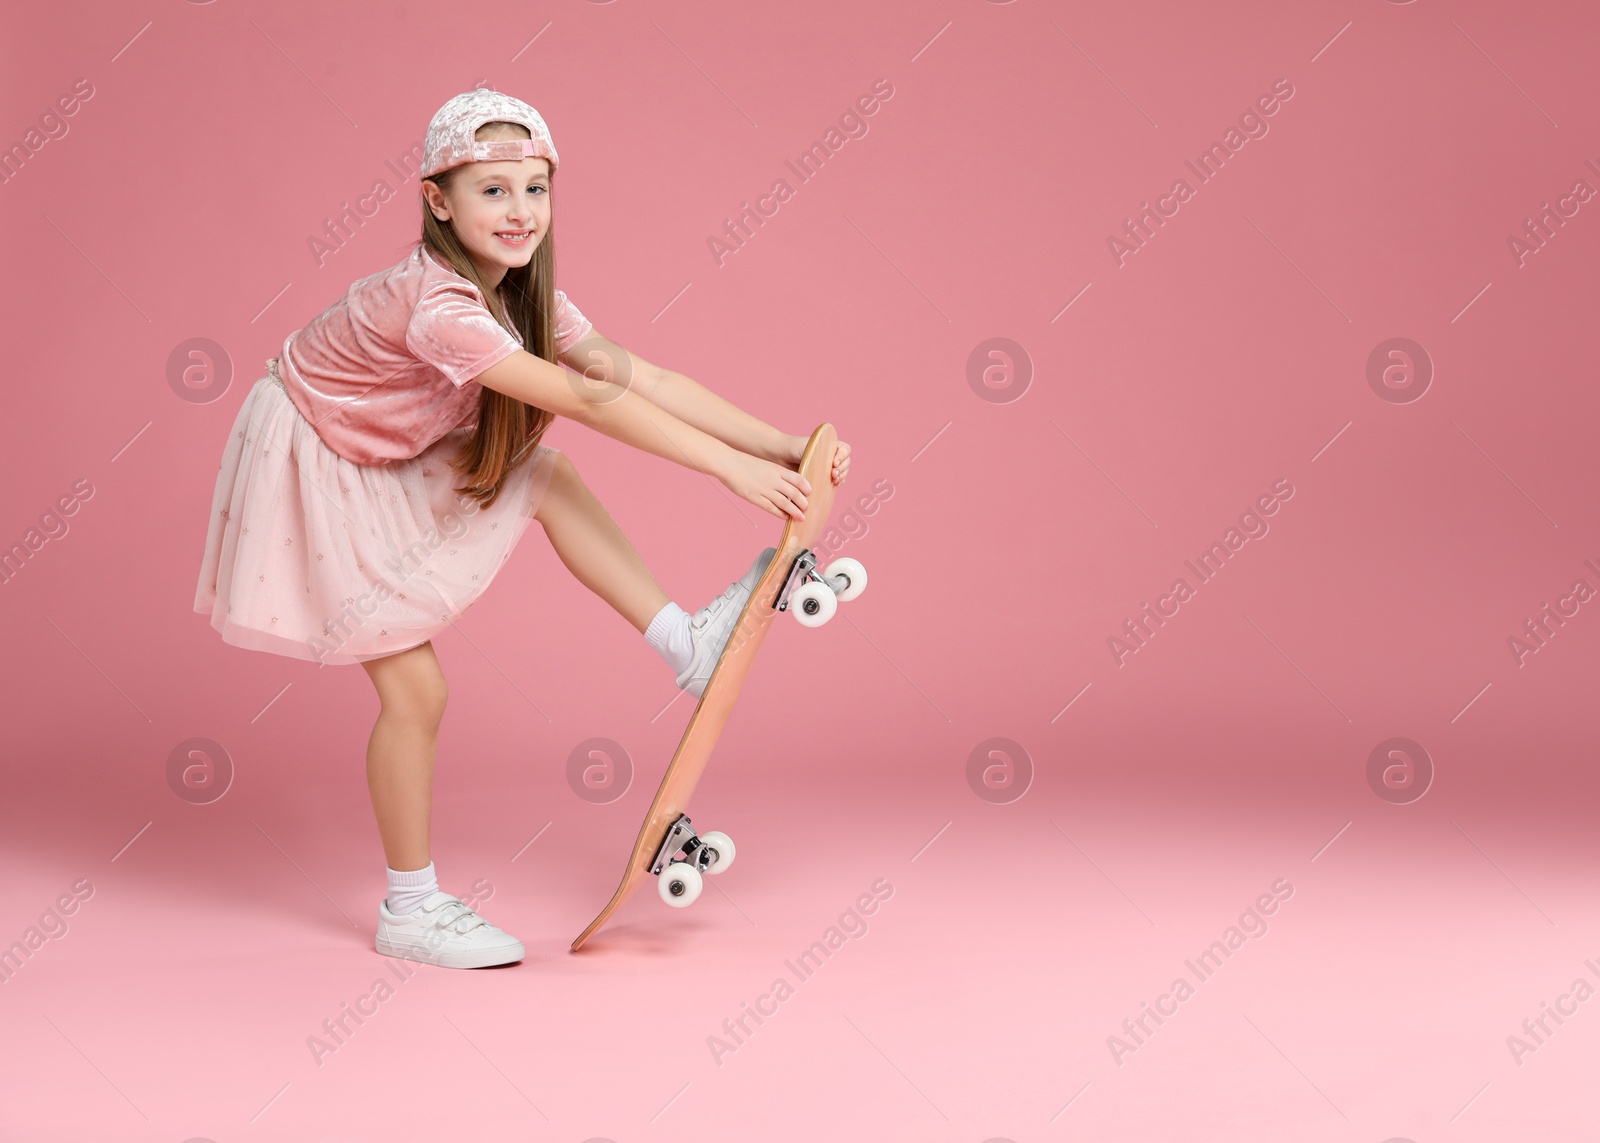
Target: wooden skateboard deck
(727,679)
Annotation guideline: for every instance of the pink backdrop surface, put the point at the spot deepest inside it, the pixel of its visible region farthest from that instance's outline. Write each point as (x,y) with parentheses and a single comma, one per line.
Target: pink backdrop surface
(1064,379)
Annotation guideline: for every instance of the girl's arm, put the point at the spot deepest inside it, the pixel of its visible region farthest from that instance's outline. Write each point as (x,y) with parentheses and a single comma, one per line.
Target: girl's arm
(619,412)
(598,357)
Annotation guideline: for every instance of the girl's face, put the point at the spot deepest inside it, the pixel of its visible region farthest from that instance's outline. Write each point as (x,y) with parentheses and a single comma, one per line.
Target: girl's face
(500,211)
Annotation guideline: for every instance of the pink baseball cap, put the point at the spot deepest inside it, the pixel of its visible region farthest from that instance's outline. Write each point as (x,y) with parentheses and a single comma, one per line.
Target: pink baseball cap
(449,142)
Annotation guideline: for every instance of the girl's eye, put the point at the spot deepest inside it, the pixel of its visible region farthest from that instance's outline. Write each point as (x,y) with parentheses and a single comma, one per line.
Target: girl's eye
(531,186)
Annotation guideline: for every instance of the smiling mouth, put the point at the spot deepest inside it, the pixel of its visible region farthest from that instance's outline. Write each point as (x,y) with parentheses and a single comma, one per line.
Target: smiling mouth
(514,237)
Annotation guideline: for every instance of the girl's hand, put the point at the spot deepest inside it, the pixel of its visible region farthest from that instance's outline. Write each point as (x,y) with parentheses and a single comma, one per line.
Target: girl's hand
(769,486)
(841,462)
(838,470)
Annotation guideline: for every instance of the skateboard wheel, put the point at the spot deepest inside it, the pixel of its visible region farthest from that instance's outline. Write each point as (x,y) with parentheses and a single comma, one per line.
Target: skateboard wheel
(852,570)
(814,603)
(723,844)
(680,883)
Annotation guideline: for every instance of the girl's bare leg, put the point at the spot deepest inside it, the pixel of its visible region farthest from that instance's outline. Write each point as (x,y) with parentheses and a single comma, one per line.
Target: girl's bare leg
(594,549)
(400,754)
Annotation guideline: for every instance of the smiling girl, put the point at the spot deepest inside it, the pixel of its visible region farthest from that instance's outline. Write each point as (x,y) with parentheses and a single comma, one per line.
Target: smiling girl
(338,532)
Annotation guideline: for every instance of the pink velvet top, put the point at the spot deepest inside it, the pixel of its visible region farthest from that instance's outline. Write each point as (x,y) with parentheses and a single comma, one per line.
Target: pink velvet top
(388,369)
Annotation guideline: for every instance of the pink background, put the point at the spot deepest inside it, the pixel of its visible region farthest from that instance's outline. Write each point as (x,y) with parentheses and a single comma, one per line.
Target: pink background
(1166,395)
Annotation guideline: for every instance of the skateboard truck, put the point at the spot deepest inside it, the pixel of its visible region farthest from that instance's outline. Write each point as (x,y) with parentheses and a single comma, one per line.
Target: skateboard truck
(681,835)
(702,853)
(815,593)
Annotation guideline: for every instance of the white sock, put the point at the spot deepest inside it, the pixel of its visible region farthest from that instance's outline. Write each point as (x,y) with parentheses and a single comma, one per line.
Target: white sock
(409,888)
(668,633)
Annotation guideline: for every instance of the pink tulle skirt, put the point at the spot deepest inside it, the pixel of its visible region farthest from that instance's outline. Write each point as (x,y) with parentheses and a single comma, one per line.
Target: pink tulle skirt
(317,557)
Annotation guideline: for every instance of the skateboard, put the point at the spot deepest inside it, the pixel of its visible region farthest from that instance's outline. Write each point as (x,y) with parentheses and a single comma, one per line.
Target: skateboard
(668,847)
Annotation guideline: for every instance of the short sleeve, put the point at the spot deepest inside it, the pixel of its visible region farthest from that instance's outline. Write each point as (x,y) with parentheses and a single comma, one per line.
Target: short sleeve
(453,331)
(571,326)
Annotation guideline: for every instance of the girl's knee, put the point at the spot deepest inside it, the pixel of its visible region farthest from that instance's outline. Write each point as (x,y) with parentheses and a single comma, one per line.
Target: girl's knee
(564,482)
(418,700)
(410,684)
(433,696)
(425,690)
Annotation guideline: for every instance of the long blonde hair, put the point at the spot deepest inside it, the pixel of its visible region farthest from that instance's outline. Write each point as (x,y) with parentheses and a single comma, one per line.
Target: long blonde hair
(508,429)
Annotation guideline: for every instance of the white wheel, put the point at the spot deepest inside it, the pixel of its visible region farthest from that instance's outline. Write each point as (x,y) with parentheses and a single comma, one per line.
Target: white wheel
(680,883)
(813,604)
(851,570)
(723,844)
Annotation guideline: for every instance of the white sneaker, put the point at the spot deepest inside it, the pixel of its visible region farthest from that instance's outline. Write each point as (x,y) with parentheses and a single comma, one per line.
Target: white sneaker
(443,931)
(710,627)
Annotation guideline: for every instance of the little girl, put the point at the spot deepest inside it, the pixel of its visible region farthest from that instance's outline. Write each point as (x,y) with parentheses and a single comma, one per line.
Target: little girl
(337,531)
